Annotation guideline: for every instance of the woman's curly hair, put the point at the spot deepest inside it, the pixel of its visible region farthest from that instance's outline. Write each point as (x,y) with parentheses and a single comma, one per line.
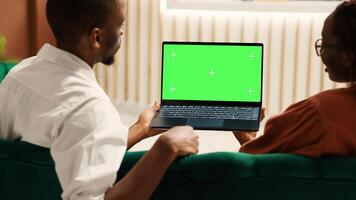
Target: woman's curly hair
(345,30)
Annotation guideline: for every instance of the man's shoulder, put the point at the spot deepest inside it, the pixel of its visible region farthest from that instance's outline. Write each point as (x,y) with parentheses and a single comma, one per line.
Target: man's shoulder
(54,83)
(22,65)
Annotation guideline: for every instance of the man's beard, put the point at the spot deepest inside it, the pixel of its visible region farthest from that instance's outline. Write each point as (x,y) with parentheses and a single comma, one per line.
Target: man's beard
(109,60)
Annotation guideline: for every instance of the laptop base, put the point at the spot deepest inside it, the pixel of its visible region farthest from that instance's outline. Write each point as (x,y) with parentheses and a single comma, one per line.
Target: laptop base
(205,124)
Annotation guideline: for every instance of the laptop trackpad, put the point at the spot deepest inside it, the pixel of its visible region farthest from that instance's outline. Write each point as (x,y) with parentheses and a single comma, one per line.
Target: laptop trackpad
(214,123)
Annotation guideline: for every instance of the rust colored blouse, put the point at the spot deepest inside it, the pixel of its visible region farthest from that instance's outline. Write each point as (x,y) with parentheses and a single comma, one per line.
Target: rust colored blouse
(324,124)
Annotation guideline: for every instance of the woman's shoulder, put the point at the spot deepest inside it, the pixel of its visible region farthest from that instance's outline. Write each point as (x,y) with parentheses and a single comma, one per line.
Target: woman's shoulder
(335,102)
(326,100)
(340,94)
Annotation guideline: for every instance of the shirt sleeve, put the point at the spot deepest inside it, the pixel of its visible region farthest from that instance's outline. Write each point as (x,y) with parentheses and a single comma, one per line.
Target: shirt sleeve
(298,130)
(89,150)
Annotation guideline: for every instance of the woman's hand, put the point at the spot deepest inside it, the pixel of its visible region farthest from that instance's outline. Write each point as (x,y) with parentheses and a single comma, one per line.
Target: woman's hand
(244,137)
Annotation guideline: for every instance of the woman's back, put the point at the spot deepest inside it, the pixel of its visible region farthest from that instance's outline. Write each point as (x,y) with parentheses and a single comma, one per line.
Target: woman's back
(338,114)
(324,124)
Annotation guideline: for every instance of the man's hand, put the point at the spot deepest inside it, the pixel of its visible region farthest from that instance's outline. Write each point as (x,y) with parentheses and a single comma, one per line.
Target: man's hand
(145,119)
(180,140)
(244,137)
(141,129)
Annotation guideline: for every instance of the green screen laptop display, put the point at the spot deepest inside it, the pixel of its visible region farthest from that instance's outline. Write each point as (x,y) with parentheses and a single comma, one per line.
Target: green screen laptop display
(208,72)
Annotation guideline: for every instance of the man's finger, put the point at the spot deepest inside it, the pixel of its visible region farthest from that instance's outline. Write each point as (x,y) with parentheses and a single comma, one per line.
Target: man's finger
(156,106)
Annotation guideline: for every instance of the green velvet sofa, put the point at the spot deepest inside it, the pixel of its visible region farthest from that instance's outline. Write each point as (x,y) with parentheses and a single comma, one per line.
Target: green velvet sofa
(27,172)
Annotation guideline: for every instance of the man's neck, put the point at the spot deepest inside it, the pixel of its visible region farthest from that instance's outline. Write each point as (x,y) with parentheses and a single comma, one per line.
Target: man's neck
(77,51)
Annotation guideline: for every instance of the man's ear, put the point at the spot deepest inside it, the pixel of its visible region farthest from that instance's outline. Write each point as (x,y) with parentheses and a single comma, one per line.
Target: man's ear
(95,38)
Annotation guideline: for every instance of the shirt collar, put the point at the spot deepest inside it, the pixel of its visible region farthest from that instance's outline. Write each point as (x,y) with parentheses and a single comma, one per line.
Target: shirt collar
(66,59)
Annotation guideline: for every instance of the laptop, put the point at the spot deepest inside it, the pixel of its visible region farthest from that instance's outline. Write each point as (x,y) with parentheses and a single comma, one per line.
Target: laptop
(211,86)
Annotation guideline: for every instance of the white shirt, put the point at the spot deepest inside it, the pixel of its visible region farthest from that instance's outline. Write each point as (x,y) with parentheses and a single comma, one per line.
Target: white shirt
(53,100)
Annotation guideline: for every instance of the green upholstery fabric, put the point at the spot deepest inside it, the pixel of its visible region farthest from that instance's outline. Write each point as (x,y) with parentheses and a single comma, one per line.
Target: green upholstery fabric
(27,172)
(4,69)
(244,176)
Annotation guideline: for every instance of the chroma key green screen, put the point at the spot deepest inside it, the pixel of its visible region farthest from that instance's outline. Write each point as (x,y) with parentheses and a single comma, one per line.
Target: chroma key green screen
(212,72)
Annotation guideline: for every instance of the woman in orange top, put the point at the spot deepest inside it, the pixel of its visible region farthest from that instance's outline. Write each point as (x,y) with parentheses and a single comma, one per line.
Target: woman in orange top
(324,124)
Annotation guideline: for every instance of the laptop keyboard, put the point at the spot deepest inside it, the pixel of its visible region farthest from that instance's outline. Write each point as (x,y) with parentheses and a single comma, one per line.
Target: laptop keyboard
(209,112)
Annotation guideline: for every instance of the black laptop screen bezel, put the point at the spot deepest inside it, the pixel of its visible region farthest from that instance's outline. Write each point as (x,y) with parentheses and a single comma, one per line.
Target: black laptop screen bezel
(212,103)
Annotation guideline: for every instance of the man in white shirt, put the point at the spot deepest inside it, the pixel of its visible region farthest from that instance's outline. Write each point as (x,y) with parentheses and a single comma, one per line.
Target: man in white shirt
(53,100)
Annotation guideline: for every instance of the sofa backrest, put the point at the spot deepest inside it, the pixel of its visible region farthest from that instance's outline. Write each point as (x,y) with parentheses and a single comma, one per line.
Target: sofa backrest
(27,172)
(4,69)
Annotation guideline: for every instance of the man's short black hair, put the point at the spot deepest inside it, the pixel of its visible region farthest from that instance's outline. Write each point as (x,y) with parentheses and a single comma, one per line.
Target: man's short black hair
(70,19)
